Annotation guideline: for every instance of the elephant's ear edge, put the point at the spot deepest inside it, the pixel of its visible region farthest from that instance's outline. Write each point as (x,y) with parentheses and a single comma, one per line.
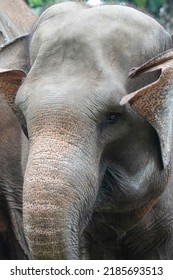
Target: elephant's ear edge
(156,63)
(154,102)
(10,81)
(15,54)
(14,66)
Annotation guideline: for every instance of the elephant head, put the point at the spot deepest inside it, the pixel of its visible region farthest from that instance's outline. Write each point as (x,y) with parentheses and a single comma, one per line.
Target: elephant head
(91,161)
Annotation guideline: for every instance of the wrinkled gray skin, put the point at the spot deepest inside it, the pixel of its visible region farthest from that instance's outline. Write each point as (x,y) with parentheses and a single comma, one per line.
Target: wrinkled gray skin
(15,19)
(95,168)
(13,244)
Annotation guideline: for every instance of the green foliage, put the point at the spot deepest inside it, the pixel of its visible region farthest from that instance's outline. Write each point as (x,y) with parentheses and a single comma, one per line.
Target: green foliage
(152,6)
(35,3)
(40,3)
(140,3)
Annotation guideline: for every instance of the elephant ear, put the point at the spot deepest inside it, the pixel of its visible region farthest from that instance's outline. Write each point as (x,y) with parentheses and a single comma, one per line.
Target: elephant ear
(14,66)
(154,102)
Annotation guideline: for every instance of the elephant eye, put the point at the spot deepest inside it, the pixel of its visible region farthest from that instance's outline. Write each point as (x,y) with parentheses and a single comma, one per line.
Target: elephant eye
(112,117)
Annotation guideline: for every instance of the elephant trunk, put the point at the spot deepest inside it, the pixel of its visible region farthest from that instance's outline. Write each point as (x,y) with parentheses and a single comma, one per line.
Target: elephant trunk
(59,189)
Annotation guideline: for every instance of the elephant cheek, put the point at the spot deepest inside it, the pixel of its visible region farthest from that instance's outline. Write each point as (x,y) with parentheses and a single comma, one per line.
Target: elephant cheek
(57,197)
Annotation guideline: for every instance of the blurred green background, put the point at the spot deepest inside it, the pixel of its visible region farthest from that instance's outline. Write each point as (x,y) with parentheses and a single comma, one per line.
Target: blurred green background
(162,10)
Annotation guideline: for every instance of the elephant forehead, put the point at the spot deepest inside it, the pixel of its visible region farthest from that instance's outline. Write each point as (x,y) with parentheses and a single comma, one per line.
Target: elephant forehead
(110,28)
(82,19)
(87,96)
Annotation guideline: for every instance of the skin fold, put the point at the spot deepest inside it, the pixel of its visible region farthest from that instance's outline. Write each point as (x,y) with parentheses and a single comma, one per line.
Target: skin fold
(95,173)
(13,244)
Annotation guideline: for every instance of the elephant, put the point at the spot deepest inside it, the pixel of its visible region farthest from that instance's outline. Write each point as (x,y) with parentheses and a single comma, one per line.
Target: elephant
(13,244)
(98,175)
(15,19)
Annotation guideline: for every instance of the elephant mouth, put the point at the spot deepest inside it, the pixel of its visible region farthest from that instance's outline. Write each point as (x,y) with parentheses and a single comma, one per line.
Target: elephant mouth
(114,206)
(121,221)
